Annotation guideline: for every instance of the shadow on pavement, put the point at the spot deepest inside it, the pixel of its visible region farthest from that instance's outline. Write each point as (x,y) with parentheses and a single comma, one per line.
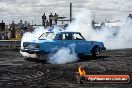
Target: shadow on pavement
(81,59)
(89,57)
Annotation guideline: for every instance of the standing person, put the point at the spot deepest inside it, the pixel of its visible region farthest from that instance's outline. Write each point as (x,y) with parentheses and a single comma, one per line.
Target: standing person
(21,33)
(44,20)
(50,19)
(6,36)
(55,18)
(25,26)
(3,36)
(0,36)
(21,25)
(12,29)
(47,23)
(2,26)
(13,33)
(18,36)
(9,35)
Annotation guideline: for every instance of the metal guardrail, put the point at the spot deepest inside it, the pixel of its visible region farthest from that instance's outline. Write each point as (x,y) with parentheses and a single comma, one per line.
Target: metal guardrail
(10,43)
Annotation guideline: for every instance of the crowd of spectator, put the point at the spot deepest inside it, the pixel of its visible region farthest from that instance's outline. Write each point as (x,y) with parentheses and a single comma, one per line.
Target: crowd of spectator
(15,31)
(51,21)
(11,36)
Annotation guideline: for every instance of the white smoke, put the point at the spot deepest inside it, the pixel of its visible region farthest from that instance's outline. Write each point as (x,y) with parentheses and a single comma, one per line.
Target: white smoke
(123,39)
(82,23)
(64,55)
(29,37)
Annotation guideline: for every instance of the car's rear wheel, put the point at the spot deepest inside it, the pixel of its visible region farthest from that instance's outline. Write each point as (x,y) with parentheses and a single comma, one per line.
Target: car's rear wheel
(95,51)
(42,56)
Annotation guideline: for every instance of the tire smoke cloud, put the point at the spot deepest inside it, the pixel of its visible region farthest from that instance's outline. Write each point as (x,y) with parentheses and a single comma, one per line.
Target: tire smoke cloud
(112,37)
(64,55)
(30,37)
(82,23)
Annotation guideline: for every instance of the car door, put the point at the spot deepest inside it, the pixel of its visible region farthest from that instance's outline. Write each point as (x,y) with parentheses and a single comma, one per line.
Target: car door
(68,39)
(76,42)
(58,42)
(82,45)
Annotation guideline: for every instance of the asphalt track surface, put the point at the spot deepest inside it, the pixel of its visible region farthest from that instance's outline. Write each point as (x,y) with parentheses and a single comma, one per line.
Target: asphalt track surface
(15,72)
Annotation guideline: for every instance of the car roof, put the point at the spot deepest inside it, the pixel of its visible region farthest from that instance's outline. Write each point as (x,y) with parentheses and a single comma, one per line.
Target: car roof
(63,32)
(68,32)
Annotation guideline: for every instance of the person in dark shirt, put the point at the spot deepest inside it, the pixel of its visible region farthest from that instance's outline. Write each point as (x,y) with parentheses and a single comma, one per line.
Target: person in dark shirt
(13,33)
(2,26)
(50,19)
(25,26)
(12,25)
(47,23)
(44,20)
(0,36)
(12,30)
(6,36)
(21,25)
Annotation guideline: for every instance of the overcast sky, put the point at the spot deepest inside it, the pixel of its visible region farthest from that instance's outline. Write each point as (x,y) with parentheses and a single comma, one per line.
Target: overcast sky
(33,9)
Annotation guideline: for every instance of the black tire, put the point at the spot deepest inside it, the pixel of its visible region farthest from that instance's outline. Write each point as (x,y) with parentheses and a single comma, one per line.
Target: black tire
(42,56)
(95,51)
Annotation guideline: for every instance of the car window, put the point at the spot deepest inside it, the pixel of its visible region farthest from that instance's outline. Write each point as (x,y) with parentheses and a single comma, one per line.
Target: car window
(77,36)
(68,36)
(65,36)
(59,37)
(48,35)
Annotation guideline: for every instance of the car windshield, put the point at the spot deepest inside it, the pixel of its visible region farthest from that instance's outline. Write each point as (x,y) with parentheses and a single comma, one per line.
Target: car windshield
(47,35)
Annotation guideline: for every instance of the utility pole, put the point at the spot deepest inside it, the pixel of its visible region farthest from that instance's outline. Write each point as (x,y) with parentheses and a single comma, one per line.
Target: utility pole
(35,20)
(32,22)
(70,12)
(94,16)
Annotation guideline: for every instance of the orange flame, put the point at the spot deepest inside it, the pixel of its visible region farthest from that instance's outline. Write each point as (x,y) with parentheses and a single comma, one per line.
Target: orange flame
(81,71)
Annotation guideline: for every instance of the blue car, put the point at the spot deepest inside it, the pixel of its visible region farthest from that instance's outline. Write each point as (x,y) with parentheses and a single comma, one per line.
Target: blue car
(51,42)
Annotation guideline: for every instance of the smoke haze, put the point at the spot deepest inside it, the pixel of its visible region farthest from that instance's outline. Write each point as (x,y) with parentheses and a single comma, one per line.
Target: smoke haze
(82,23)
(29,37)
(64,55)
(123,38)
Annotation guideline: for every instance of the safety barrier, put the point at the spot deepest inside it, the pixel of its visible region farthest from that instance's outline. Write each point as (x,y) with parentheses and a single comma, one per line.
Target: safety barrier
(10,43)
